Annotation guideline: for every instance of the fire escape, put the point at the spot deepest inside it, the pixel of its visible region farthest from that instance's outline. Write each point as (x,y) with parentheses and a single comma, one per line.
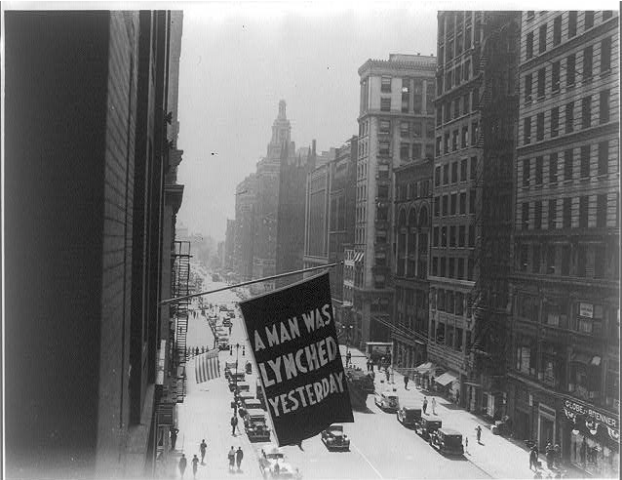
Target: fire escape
(180,310)
(490,260)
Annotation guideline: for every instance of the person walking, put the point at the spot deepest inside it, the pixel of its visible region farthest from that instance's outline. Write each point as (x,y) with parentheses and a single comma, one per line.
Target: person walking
(433,405)
(406,379)
(231,457)
(195,466)
(549,455)
(425,405)
(234,424)
(182,464)
(174,432)
(533,458)
(239,455)
(557,456)
(478,431)
(203,448)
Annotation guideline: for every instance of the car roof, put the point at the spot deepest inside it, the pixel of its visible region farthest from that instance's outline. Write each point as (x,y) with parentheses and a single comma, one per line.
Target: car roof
(449,431)
(256,411)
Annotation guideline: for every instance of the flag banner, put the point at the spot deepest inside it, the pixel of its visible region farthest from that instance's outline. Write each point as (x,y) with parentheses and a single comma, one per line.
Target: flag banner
(207,366)
(294,341)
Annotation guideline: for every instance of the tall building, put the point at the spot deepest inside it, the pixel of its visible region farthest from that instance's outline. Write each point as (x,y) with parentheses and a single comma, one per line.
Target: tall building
(411,234)
(243,238)
(92,376)
(476,114)
(564,368)
(396,126)
(229,244)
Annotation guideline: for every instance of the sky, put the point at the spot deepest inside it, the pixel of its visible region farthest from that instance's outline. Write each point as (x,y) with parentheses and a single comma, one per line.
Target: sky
(239,60)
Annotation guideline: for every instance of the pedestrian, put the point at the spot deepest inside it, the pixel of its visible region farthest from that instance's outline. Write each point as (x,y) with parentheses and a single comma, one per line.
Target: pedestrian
(549,455)
(386,372)
(433,405)
(348,358)
(425,404)
(239,455)
(203,447)
(174,432)
(231,457)
(556,455)
(466,441)
(182,464)
(533,459)
(406,379)
(234,424)
(478,430)
(195,466)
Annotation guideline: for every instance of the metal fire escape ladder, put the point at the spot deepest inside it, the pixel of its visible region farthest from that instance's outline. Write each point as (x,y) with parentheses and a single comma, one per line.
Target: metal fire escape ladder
(181,288)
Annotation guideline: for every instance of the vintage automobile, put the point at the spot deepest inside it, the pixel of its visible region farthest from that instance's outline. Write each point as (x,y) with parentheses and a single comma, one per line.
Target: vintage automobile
(235,374)
(256,425)
(334,438)
(409,415)
(253,403)
(227,322)
(387,400)
(447,441)
(243,398)
(427,426)
(273,465)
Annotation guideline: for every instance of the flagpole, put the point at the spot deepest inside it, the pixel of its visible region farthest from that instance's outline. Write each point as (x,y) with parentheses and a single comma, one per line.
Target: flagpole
(250,282)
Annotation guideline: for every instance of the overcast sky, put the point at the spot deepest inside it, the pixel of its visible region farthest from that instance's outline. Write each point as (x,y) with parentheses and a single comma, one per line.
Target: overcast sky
(239,61)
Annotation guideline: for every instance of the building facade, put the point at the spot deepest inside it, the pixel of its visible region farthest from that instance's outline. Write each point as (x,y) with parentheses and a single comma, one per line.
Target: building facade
(243,238)
(564,368)
(396,126)
(91,379)
(411,234)
(229,244)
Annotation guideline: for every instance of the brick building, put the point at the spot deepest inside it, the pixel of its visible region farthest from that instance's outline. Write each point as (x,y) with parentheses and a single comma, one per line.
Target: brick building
(243,237)
(89,220)
(564,368)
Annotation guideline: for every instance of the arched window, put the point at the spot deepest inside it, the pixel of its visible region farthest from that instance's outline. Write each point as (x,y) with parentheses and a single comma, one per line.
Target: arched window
(412,218)
(423,217)
(401,221)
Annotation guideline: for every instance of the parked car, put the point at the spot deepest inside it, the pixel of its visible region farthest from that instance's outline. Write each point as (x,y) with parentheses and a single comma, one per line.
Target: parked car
(409,415)
(227,322)
(253,403)
(256,425)
(388,400)
(273,464)
(447,441)
(427,426)
(334,438)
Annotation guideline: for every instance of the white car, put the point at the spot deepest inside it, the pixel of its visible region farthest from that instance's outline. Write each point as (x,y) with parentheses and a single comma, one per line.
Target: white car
(387,400)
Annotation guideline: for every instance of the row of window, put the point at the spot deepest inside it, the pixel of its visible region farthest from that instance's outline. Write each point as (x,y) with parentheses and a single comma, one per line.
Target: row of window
(453,267)
(582,162)
(413,190)
(582,260)
(449,336)
(455,204)
(414,129)
(540,78)
(453,78)
(457,107)
(556,32)
(459,139)
(587,211)
(456,172)
(415,151)
(454,236)
(587,119)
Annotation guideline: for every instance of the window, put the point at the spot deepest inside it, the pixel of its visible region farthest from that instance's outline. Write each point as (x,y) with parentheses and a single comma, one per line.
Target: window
(585,161)
(417,150)
(583,210)
(556,77)
(526,171)
(437,176)
(542,39)
(452,237)
(557,30)
(567,213)
(530,14)
(552,213)
(385,86)
(465,137)
(443,267)
(525,216)
(445,207)
(566,260)
(385,104)
(588,54)
(463,169)
(404,151)
(473,167)
(601,210)
(467,70)
(447,142)
(537,218)
(465,100)
(603,157)
(474,133)
(438,146)
(475,99)
(443,236)
(589,19)
(436,237)
(454,201)
(461,236)
(460,273)
(572,24)
(454,172)
(405,129)
(599,261)
(541,82)
(568,159)
(603,110)
(569,117)
(529,45)
(553,168)
(555,122)
(605,55)
(550,259)
(445,174)
(462,203)
(581,260)
(540,126)
(539,170)
(527,130)
(454,140)
(607,14)
(586,112)
(384,127)
(447,110)
(437,206)
(383,148)
(570,70)
(471,236)
(528,86)
(537,256)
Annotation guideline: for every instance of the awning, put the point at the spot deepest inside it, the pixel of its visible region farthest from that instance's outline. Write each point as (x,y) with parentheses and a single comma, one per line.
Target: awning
(425,367)
(446,378)
(580,357)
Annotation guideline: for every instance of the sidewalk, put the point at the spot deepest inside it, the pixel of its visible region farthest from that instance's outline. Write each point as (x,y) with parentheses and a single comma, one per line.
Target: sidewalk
(497,456)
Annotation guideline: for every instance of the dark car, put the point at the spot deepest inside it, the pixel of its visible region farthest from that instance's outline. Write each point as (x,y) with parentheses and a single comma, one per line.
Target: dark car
(409,415)
(334,438)
(447,441)
(427,426)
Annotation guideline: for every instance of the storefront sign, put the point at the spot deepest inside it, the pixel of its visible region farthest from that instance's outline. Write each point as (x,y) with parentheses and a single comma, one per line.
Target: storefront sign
(593,418)
(294,341)
(586,310)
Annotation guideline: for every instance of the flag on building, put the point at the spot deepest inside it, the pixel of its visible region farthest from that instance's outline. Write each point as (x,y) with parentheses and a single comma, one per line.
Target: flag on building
(207,366)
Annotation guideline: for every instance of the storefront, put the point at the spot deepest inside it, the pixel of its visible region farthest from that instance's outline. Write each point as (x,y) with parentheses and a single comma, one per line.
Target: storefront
(594,439)
(448,384)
